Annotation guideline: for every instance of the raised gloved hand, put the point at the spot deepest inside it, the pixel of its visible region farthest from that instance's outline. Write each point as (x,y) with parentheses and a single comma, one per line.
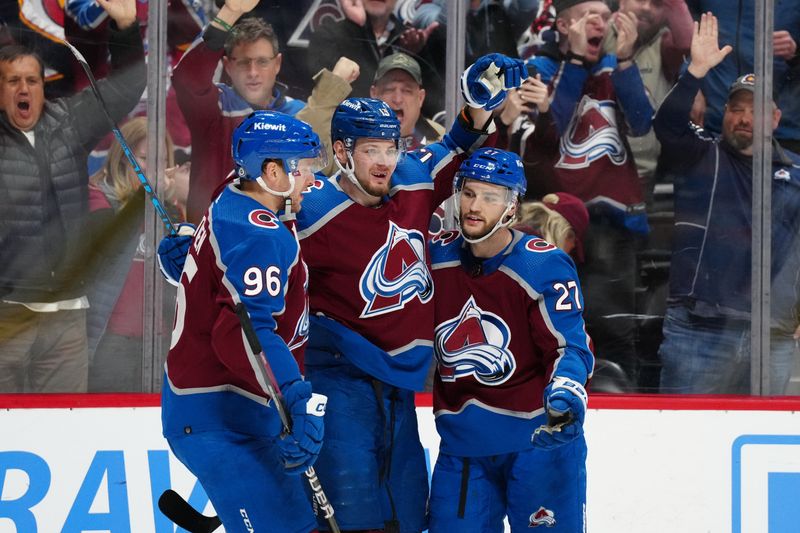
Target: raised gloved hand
(172,252)
(485,82)
(300,448)
(565,404)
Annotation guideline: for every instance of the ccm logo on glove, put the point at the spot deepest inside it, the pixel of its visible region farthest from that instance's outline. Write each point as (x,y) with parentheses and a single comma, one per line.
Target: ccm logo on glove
(316,404)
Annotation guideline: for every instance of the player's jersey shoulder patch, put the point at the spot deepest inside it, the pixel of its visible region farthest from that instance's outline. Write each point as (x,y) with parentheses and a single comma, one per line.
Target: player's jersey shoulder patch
(445,246)
(538,245)
(533,260)
(320,199)
(263,218)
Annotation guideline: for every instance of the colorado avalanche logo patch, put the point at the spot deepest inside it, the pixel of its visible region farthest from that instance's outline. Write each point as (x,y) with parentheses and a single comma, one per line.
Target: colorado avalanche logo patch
(592,134)
(396,274)
(263,218)
(475,343)
(542,517)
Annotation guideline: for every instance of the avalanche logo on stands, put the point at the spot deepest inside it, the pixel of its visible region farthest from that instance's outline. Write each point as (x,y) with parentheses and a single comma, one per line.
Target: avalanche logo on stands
(475,343)
(263,218)
(542,517)
(591,135)
(396,274)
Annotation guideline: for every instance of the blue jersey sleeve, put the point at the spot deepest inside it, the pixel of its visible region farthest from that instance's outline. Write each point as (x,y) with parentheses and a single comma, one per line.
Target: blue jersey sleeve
(567,81)
(257,260)
(441,160)
(632,98)
(556,320)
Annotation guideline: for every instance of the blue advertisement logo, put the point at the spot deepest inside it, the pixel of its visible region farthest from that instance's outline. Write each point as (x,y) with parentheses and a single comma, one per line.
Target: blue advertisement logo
(781,478)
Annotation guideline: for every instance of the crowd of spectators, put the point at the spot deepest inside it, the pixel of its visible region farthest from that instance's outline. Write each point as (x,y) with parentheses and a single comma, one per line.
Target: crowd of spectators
(619,125)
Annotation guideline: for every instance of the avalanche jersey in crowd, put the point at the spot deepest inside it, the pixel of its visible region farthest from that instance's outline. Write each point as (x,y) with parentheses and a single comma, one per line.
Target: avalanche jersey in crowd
(504,327)
(371,287)
(241,252)
(592,111)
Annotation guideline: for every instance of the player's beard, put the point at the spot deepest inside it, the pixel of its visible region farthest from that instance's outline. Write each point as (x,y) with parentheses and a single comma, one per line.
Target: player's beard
(475,233)
(377,190)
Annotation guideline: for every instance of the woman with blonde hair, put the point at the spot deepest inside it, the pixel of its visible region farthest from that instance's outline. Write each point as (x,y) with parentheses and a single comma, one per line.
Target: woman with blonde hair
(116,203)
(559,218)
(119,183)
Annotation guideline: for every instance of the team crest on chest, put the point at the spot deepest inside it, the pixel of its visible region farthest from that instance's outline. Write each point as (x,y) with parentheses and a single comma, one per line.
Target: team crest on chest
(475,343)
(396,273)
(591,135)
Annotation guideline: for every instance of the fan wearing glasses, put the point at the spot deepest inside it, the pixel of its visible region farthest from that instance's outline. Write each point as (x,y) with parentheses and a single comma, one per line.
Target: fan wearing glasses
(250,54)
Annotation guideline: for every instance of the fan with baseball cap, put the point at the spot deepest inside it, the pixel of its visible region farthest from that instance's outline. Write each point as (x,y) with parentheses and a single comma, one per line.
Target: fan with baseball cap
(746,82)
(399,61)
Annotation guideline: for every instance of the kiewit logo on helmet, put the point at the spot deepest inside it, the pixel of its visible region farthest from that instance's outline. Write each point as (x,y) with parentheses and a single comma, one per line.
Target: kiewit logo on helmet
(268,126)
(351,105)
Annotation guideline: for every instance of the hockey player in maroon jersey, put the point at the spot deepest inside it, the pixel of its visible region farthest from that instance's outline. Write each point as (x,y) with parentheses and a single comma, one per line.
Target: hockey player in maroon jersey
(513,358)
(363,233)
(217,416)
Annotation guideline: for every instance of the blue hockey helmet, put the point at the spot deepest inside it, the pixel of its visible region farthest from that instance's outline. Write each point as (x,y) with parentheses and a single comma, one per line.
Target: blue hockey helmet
(357,118)
(272,135)
(498,167)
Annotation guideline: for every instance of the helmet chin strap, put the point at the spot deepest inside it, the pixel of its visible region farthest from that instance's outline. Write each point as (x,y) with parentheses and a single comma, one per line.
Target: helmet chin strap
(282,194)
(349,171)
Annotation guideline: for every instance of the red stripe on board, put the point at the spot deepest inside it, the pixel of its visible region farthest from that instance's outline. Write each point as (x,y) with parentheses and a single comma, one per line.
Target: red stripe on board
(671,402)
(61,401)
(596,401)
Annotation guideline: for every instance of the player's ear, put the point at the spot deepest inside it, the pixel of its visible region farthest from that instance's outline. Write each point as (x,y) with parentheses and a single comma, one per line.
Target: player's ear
(269,172)
(340,152)
(512,213)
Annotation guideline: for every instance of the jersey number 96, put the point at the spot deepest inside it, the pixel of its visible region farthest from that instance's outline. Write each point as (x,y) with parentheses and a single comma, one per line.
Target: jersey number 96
(256,280)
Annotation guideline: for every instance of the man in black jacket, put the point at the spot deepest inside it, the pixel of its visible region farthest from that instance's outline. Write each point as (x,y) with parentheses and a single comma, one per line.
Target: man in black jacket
(43,207)
(369,32)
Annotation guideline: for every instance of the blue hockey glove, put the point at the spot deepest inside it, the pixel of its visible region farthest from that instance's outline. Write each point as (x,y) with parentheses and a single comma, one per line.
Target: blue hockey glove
(565,404)
(485,82)
(300,448)
(172,252)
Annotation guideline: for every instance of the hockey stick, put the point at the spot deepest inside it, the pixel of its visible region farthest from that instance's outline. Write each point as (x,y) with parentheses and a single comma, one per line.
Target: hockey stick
(148,188)
(174,507)
(320,501)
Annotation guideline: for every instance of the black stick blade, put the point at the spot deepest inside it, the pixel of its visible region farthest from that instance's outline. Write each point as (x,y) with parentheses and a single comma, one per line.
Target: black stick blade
(184,515)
